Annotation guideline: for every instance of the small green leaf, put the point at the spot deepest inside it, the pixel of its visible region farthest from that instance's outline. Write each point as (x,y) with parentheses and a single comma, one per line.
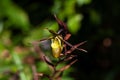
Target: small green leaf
(82,2)
(74,23)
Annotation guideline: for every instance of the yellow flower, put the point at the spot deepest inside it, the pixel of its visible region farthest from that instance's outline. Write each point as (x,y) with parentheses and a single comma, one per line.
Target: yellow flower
(57,46)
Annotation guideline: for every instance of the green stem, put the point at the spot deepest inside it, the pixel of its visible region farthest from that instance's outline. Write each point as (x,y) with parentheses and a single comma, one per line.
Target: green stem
(18,63)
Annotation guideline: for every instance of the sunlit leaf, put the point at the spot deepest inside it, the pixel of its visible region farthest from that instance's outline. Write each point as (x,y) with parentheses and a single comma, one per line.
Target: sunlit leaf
(82,2)
(15,15)
(74,23)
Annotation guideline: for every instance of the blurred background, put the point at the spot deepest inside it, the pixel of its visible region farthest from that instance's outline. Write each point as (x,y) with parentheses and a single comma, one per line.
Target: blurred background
(97,21)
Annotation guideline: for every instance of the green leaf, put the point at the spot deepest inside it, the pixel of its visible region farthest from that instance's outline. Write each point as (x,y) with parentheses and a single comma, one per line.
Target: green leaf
(82,2)
(74,23)
(16,16)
